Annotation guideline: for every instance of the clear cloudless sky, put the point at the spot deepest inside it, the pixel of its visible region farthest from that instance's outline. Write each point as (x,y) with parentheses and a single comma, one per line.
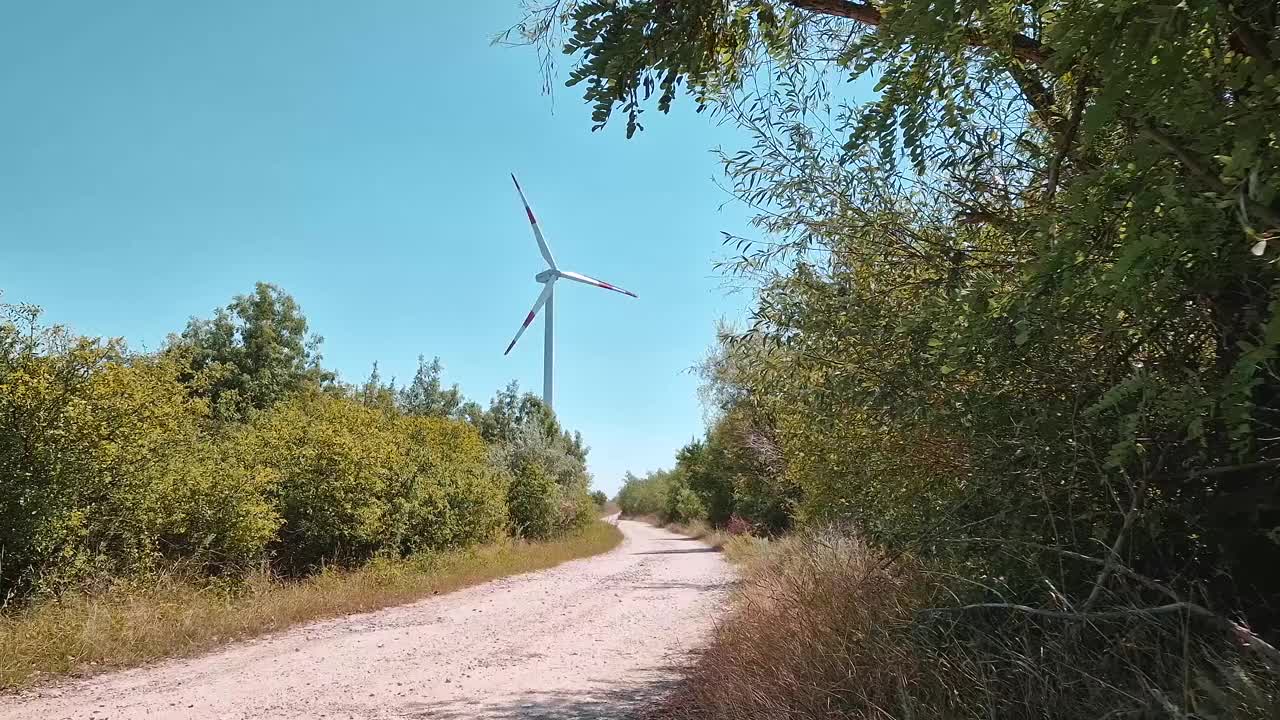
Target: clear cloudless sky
(157,158)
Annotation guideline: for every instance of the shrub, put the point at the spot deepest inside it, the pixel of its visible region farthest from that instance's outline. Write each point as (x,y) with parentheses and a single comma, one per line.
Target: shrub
(646,495)
(532,500)
(103,469)
(113,467)
(577,510)
(452,497)
(333,465)
(683,504)
(351,481)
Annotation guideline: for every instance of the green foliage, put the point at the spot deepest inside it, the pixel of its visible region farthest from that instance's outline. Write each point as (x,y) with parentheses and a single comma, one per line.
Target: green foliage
(599,498)
(1022,290)
(103,468)
(630,50)
(682,505)
(548,494)
(532,498)
(512,414)
(351,482)
(554,454)
(426,395)
(374,394)
(232,449)
(1016,318)
(252,354)
(645,495)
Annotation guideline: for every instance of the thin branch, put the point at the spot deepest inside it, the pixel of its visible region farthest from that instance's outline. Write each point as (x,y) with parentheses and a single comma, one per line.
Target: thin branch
(1200,169)
(1231,469)
(1024,48)
(1067,139)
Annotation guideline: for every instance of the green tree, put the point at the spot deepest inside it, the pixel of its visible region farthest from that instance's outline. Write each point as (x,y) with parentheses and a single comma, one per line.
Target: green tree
(376,394)
(645,495)
(682,504)
(425,395)
(1040,250)
(1017,311)
(252,353)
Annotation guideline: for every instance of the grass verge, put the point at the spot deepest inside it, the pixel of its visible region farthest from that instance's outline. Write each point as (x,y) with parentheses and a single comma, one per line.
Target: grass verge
(82,634)
(738,548)
(826,627)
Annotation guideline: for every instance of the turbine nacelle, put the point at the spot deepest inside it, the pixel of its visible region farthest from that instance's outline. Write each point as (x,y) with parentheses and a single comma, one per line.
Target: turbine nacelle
(546,276)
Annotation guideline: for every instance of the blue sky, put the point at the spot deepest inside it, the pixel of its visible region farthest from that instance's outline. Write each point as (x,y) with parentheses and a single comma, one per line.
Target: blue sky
(157,158)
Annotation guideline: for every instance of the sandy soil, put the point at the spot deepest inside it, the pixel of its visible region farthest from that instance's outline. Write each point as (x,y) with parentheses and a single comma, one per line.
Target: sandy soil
(592,638)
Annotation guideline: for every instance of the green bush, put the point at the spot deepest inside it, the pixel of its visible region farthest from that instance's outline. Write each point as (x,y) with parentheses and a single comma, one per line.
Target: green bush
(104,469)
(331,464)
(453,497)
(533,503)
(683,504)
(644,495)
(351,481)
(577,510)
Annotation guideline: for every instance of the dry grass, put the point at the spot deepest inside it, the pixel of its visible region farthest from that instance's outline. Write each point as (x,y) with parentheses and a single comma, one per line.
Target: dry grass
(810,636)
(130,626)
(826,627)
(701,531)
(737,547)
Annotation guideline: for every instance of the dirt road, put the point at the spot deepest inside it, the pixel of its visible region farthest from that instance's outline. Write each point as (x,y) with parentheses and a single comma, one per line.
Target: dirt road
(592,638)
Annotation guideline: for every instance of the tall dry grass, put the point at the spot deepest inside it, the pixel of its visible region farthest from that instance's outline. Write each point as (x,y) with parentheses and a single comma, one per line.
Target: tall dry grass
(826,627)
(735,540)
(129,625)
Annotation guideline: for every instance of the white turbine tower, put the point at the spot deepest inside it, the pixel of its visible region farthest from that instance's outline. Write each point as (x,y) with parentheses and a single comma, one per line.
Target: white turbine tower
(548,279)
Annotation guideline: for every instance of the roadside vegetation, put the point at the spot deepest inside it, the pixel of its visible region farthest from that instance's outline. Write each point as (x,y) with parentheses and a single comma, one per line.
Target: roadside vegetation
(1009,393)
(228,484)
(173,615)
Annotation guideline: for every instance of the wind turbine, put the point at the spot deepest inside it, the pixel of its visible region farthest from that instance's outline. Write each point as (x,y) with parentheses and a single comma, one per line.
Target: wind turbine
(548,279)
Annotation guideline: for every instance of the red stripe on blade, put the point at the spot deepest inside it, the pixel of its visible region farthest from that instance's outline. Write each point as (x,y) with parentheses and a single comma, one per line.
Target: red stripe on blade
(528,320)
(532,220)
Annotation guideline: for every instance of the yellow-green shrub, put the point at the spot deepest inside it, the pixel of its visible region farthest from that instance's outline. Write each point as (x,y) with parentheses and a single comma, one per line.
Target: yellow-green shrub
(103,470)
(455,497)
(350,481)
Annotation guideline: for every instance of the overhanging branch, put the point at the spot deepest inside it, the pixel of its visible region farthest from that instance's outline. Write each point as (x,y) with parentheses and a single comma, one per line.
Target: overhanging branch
(1024,48)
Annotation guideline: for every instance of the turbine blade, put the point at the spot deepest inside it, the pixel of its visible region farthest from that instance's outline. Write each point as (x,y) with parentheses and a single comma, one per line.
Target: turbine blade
(542,300)
(533,222)
(592,281)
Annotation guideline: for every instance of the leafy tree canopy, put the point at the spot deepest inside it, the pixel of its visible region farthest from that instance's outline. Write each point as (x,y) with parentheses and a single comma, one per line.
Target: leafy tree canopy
(1024,286)
(426,395)
(252,353)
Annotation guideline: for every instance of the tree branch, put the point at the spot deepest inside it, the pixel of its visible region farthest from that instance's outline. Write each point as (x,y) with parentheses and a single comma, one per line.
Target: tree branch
(1067,139)
(1230,469)
(1024,48)
(1200,169)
